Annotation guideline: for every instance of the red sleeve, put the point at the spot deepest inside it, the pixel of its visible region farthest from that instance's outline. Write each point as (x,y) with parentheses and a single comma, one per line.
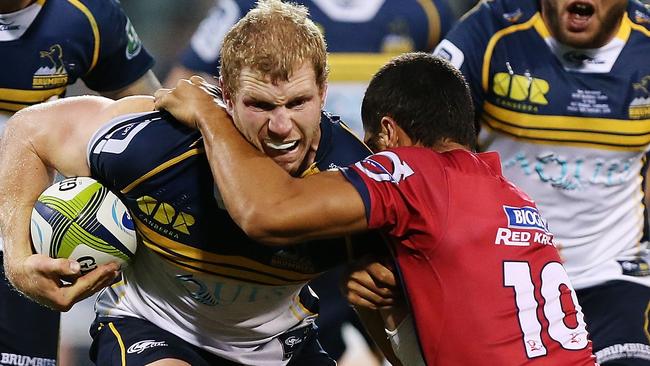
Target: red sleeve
(394,189)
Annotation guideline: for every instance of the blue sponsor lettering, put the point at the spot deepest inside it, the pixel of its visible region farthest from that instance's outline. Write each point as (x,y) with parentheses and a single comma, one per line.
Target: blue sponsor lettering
(560,172)
(525,218)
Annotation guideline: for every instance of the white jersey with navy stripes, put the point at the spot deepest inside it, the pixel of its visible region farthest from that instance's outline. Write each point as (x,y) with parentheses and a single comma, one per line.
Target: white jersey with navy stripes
(572,127)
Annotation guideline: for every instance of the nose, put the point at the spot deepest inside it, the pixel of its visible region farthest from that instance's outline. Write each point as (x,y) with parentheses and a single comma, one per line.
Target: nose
(280,123)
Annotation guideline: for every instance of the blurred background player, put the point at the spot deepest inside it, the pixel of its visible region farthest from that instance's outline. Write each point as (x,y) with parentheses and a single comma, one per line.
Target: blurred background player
(561,93)
(46,45)
(361,36)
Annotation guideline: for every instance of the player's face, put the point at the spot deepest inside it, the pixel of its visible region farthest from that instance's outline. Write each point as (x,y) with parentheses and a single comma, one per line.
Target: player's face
(583,23)
(281,119)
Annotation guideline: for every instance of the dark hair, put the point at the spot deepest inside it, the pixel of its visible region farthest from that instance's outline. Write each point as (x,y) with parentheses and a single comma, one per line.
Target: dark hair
(425,95)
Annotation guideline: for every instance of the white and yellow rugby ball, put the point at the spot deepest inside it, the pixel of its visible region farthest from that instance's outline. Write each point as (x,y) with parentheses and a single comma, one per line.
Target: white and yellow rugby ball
(78,218)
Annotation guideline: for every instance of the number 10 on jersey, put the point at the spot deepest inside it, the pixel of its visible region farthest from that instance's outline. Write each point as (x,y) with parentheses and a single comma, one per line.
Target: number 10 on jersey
(560,304)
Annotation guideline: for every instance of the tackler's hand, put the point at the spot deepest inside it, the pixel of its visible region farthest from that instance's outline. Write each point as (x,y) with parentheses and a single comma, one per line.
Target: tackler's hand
(191,100)
(372,285)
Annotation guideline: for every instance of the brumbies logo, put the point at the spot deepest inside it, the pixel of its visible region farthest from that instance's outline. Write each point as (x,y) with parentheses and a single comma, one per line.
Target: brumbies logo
(640,106)
(51,72)
(376,167)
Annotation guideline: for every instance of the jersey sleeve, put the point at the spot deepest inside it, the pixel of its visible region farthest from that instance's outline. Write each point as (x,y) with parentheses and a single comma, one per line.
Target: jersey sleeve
(120,57)
(392,191)
(202,54)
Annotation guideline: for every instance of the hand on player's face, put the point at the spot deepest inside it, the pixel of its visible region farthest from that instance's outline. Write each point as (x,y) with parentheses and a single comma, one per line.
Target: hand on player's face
(282,117)
(58,284)
(190,100)
(371,285)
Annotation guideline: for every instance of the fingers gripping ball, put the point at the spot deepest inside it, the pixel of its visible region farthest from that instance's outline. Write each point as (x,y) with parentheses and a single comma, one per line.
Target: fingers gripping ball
(78,218)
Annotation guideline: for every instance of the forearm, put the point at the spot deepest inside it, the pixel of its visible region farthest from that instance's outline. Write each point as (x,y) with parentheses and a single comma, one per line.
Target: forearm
(243,174)
(23,176)
(372,322)
(404,342)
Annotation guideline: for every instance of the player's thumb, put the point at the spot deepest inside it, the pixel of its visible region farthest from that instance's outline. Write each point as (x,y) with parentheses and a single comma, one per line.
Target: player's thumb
(66,267)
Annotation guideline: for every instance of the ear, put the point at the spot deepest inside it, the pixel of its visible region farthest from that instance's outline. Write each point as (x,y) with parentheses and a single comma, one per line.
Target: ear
(323,95)
(227,97)
(389,135)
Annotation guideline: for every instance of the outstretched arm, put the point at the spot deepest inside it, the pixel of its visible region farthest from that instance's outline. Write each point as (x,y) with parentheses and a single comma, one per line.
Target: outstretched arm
(264,200)
(36,142)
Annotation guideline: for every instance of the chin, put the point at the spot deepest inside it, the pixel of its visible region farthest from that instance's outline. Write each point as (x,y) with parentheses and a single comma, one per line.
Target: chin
(581,39)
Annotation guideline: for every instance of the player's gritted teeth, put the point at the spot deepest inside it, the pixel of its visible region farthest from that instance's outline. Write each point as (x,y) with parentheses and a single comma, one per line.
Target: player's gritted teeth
(282,146)
(283,152)
(578,15)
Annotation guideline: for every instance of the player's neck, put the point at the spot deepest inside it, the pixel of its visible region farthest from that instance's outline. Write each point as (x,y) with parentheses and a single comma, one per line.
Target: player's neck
(10,6)
(448,145)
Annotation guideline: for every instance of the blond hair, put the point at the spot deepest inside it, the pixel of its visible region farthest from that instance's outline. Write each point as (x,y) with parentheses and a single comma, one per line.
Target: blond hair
(273,39)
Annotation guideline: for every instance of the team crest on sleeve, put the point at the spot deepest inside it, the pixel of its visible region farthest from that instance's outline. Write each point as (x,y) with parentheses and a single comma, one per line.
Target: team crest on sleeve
(134,45)
(385,166)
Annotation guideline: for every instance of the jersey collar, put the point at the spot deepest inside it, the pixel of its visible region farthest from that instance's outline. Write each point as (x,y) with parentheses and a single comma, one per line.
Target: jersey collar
(14,25)
(588,60)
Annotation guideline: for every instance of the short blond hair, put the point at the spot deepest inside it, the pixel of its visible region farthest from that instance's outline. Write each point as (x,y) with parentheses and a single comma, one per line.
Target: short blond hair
(273,39)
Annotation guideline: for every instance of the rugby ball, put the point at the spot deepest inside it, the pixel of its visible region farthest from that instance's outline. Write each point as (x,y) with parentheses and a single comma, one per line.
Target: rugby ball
(78,218)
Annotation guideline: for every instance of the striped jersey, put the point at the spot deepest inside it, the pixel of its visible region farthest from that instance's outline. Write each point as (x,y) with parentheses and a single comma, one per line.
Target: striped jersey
(196,274)
(572,127)
(51,43)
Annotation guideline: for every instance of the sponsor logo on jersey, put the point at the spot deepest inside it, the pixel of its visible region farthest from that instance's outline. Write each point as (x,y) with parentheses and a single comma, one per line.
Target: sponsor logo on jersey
(291,340)
(226,293)
(141,346)
(8,26)
(525,218)
(51,72)
(513,16)
(578,59)
(163,217)
(624,351)
(520,92)
(641,18)
(525,226)
(385,166)
(133,45)
(290,259)
(640,106)
(21,360)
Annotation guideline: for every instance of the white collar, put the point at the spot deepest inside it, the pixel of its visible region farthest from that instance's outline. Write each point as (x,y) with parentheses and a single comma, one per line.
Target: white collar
(14,25)
(587,60)
(352,11)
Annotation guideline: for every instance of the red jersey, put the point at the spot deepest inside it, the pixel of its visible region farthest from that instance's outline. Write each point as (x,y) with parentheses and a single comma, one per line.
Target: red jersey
(483,277)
